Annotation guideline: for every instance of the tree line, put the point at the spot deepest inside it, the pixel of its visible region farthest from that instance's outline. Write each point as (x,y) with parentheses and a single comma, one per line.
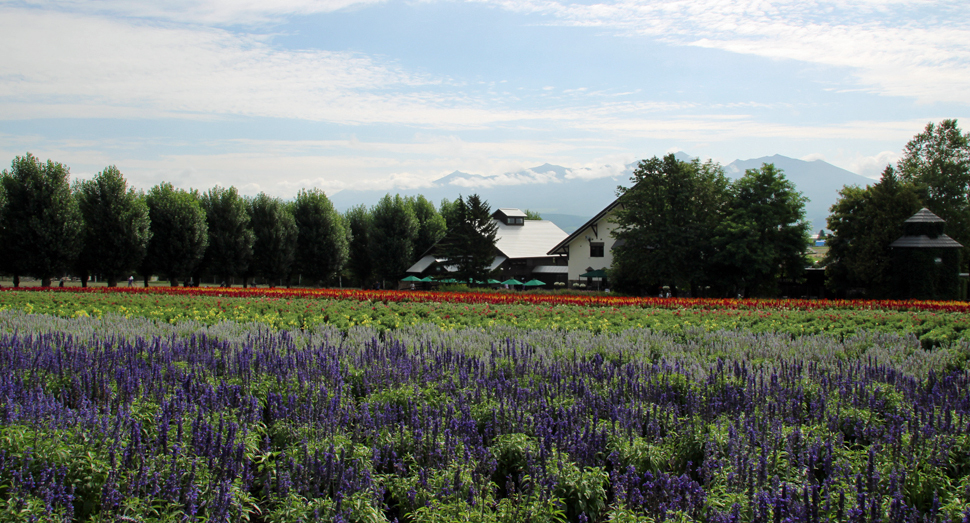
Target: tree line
(685,227)
(104,227)
(933,172)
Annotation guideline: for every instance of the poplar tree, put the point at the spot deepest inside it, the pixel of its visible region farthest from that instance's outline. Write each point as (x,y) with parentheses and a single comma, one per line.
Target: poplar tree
(41,223)
(116,229)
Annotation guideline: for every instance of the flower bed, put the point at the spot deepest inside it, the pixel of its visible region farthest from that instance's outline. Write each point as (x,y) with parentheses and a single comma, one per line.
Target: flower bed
(111,418)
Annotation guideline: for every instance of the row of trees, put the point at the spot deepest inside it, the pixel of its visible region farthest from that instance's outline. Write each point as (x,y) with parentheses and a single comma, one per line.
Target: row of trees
(684,225)
(104,227)
(934,172)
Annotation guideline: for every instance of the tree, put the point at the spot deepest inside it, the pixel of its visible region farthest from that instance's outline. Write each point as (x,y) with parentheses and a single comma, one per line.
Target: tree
(864,222)
(431,225)
(179,233)
(449,211)
(763,234)
(532,215)
(116,228)
(666,222)
(394,229)
(230,248)
(470,242)
(358,222)
(274,238)
(41,221)
(321,244)
(937,163)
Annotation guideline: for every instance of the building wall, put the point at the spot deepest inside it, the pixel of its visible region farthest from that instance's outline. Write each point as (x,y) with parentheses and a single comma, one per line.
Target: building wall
(579,248)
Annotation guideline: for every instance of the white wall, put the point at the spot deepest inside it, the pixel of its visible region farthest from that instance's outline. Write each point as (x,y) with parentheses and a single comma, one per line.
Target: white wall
(579,259)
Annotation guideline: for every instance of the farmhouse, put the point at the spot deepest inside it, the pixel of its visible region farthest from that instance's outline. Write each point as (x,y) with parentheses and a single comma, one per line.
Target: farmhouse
(521,251)
(589,250)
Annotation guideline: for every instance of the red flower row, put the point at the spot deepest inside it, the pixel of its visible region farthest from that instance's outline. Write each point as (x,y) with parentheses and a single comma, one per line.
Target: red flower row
(500,298)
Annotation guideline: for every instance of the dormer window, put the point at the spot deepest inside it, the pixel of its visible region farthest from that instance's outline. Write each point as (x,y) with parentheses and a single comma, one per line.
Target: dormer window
(510,216)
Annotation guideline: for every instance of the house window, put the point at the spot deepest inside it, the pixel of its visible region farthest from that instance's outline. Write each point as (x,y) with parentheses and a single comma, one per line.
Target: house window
(596,250)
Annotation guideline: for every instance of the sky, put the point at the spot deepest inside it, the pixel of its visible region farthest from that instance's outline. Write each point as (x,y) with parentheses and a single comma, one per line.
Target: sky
(333,94)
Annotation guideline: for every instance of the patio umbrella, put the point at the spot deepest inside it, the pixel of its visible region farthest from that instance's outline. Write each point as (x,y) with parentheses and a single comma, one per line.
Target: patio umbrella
(449,280)
(494,282)
(534,283)
(426,279)
(412,278)
(511,281)
(598,273)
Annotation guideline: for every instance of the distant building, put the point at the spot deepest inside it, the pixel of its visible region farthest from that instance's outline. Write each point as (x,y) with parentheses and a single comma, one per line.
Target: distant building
(521,251)
(589,250)
(926,262)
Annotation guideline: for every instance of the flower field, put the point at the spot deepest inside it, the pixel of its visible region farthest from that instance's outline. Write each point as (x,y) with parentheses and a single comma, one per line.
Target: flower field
(276,407)
(933,323)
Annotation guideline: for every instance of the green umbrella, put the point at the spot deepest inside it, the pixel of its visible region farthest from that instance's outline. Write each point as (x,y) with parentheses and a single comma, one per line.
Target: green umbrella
(426,279)
(449,280)
(494,282)
(512,281)
(412,278)
(598,273)
(534,283)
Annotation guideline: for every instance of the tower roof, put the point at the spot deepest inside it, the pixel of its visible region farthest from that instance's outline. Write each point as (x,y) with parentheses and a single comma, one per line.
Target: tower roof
(924,216)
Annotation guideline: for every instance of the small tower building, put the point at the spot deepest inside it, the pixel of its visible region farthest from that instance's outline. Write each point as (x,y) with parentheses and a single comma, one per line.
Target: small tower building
(926,262)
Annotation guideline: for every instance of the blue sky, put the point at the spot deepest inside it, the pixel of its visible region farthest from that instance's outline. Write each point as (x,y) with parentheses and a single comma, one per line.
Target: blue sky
(278,96)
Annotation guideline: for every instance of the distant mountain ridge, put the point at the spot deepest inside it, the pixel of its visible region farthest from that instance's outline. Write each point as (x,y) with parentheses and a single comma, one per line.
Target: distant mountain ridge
(569,197)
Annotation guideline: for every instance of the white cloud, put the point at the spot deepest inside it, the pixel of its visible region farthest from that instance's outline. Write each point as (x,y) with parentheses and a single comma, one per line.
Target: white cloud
(812,157)
(894,47)
(873,166)
(212,12)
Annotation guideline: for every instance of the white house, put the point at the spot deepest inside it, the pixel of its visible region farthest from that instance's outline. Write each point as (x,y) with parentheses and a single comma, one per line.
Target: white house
(589,250)
(521,250)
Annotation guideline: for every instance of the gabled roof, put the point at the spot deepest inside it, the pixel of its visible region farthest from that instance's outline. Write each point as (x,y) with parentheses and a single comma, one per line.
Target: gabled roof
(529,240)
(559,248)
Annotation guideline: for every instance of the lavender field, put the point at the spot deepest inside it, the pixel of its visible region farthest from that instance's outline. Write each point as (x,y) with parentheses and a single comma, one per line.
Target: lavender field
(116,419)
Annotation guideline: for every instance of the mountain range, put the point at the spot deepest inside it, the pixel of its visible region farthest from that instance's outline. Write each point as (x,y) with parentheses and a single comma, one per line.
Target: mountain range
(569,197)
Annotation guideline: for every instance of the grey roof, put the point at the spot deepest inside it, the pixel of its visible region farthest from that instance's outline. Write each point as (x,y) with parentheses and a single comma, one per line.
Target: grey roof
(925,241)
(924,216)
(551,269)
(512,212)
(530,240)
(422,264)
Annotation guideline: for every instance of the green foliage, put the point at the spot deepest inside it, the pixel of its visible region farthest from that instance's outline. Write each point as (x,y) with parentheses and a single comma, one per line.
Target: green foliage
(321,245)
(41,226)
(532,215)
(864,223)
(274,237)
(763,235)
(582,490)
(431,225)
(470,242)
(230,249)
(937,162)
(393,232)
(180,234)
(116,228)
(359,262)
(666,222)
